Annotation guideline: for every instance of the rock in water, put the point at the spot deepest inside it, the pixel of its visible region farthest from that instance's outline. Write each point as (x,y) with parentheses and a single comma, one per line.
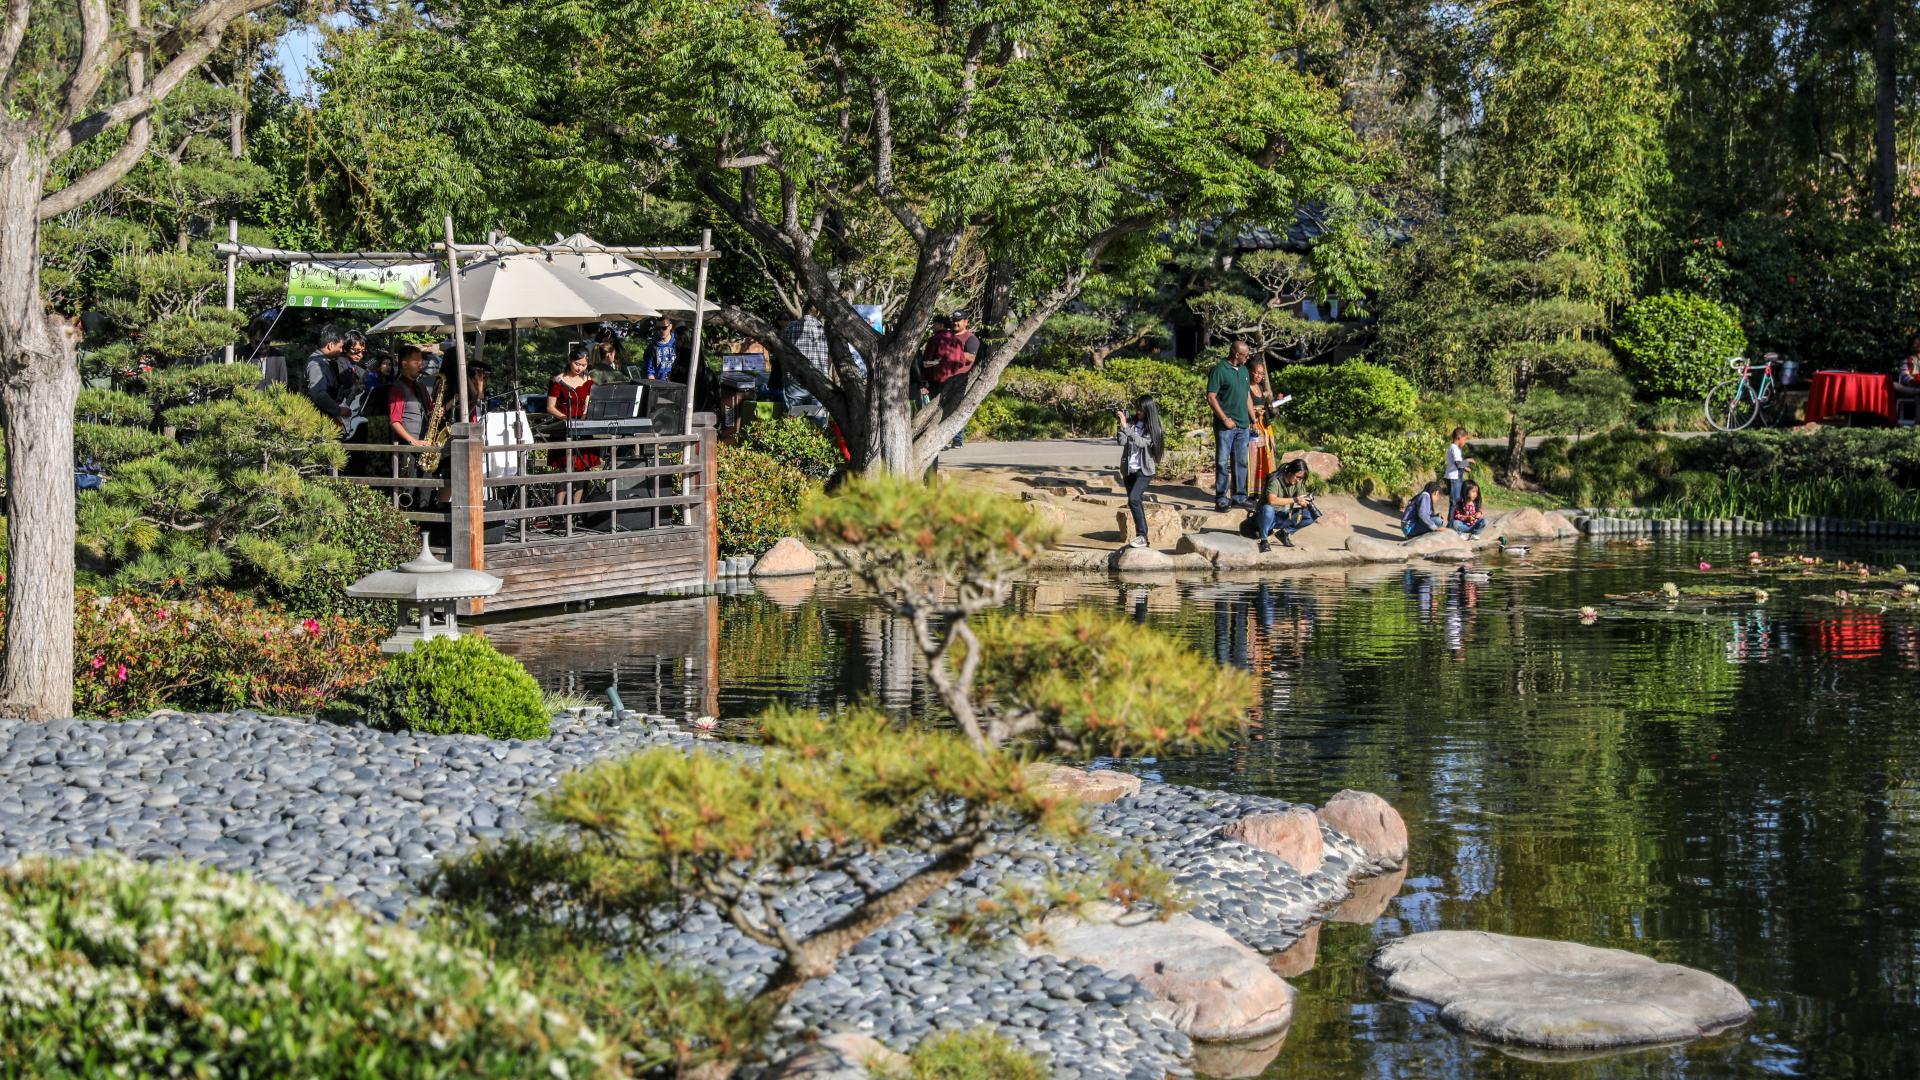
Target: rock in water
(1372,549)
(786,558)
(1292,834)
(1372,822)
(1527,523)
(1140,560)
(1103,786)
(1557,994)
(1209,985)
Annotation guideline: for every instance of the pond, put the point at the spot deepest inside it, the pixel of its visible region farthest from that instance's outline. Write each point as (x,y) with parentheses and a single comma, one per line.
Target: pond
(1733,786)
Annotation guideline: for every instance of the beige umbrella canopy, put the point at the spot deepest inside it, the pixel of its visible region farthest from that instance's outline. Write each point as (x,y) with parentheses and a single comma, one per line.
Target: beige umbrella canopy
(509,291)
(628,278)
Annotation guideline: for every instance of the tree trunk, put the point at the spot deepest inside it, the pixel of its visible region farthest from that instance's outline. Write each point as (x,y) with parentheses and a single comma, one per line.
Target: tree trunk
(1885,103)
(38,384)
(1514,474)
(890,415)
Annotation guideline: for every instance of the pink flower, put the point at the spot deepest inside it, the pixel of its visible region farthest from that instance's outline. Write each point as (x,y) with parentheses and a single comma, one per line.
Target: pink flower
(311,626)
(120,673)
(99,661)
(1704,565)
(1718,244)
(161,615)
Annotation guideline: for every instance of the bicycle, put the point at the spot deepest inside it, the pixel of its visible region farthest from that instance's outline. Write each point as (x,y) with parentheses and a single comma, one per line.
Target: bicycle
(1736,403)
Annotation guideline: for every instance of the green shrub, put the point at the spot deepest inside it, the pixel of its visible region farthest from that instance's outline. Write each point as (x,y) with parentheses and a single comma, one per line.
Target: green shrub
(1180,390)
(971,1055)
(1619,468)
(373,536)
(114,967)
(795,441)
(757,500)
(457,686)
(1031,403)
(1354,398)
(1387,465)
(1003,417)
(1677,344)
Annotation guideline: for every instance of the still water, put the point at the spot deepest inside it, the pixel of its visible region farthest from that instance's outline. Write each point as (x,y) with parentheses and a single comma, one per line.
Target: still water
(1731,786)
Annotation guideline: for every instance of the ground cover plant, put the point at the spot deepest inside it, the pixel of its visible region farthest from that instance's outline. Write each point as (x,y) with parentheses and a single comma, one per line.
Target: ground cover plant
(639,839)
(114,967)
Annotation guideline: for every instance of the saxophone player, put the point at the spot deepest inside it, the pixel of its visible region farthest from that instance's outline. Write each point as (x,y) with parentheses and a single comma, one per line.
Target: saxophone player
(410,409)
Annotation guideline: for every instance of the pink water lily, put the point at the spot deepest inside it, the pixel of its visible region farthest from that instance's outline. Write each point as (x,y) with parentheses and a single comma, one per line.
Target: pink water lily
(1705,565)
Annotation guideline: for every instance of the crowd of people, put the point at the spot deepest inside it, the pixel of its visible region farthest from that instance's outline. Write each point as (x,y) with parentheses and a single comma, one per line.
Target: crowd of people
(1243,406)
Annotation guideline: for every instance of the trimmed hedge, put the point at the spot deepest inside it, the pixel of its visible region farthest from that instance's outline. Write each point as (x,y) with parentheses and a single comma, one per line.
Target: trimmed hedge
(115,967)
(457,686)
(1677,344)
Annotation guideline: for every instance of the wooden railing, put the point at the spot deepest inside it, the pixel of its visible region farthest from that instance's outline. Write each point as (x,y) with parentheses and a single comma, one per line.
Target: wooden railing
(565,534)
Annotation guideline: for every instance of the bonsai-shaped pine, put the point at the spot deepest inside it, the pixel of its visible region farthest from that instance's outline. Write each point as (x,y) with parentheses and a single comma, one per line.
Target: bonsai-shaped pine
(1539,311)
(1263,312)
(660,832)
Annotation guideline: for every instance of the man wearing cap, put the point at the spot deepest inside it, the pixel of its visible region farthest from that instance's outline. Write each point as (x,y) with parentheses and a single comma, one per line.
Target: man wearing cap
(949,354)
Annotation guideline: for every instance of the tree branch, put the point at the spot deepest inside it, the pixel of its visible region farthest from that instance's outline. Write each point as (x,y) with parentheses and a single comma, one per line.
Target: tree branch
(890,196)
(15,32)
(200,35)
(109,172)
(96,38)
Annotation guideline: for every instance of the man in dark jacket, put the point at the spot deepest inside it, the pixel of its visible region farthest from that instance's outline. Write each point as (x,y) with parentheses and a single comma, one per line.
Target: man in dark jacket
(334,385)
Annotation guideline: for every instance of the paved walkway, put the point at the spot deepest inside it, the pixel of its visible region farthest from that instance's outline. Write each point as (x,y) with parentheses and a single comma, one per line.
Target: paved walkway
(1039,455)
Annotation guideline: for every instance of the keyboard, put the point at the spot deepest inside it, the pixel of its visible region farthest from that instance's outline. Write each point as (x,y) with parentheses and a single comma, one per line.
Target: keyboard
(638,425)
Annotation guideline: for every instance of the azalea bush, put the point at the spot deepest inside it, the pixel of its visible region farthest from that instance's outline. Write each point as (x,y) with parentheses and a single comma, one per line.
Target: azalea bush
(110,967)
(219,651)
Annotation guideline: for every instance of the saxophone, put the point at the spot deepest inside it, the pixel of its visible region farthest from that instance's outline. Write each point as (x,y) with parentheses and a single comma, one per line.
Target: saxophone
(437,433)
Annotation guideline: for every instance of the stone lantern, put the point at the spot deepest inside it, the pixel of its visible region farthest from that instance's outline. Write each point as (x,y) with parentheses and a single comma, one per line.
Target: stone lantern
(427,589)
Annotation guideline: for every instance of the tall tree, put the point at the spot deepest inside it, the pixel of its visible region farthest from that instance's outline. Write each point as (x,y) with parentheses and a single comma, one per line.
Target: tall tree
(1044,133)
(58,61)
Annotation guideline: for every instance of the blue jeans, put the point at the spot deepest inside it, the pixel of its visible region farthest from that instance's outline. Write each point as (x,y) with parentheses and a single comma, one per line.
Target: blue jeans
(1465,529)
(1230,463)
(1456,488)
(1291,518)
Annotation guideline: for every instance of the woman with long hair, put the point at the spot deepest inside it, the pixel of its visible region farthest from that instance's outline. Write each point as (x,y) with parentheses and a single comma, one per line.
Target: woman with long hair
(567,398)
(1142,445)
(1260,444)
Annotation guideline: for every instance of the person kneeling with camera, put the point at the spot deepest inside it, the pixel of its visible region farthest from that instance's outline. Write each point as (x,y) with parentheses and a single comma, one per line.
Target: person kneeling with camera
(1288,506)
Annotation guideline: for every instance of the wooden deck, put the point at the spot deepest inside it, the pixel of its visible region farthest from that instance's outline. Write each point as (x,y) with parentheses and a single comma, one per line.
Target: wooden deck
(569,562)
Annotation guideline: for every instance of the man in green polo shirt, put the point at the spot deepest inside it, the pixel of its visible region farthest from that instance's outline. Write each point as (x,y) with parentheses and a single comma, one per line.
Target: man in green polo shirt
(1230,396)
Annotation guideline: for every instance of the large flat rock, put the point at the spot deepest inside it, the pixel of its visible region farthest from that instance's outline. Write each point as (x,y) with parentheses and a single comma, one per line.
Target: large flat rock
(1209,985)
(1555,994)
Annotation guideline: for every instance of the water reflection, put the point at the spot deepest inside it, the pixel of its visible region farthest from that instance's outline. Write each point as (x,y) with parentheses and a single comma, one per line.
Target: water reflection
(1732,786)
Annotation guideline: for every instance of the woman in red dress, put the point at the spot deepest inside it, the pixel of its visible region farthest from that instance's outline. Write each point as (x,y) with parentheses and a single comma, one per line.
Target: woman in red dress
(567,398)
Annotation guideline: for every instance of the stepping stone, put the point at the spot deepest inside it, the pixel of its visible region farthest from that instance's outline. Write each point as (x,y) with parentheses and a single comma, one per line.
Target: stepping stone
(1557,995)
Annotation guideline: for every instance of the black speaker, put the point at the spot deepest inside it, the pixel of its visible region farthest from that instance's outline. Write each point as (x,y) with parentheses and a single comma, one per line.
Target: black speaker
(666,406)
(632,520)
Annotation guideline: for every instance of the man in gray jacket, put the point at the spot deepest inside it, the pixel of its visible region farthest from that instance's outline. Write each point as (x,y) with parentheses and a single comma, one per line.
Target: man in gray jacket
(334,385)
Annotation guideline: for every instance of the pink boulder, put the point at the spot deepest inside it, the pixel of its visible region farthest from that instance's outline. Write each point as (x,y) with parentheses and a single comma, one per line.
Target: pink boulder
(1293,835)
(1372,823)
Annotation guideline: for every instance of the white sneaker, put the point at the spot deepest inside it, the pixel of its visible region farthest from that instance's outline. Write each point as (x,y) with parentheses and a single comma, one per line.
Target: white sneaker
(1138,541)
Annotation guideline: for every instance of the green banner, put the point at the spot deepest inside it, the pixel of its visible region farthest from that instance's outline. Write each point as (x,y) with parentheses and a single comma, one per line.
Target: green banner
(362,286)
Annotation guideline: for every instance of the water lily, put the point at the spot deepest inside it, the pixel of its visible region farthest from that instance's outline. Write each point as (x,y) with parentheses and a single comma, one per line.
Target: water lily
(705,723)
(1588,616)
(1842,596)
(1671,590)
(1705,565)
(1910,589)
(1760,596)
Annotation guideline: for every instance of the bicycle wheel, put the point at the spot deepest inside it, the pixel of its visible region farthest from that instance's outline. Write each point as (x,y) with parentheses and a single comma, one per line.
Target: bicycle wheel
(1730,406)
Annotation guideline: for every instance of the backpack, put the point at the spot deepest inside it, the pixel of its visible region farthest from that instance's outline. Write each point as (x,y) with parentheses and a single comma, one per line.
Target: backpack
(1247,528)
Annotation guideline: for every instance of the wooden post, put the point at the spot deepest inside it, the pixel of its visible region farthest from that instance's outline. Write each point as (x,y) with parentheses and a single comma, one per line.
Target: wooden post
(710,491)
(699,323)
(459,319)
(466,474)
(710,658)
(233,270)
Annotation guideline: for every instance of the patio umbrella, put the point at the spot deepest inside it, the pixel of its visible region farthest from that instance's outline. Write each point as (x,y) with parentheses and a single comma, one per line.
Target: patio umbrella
(628,278)
(509,291)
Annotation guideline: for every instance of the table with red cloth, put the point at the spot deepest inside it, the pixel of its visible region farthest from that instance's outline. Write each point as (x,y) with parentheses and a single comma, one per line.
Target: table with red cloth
(1836,393)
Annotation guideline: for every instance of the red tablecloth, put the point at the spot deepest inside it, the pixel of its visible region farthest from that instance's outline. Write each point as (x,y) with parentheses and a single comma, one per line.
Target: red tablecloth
(1838,392)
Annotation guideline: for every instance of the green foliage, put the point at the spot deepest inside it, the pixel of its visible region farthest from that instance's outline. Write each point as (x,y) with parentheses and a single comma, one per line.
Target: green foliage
(794,441)
(1678,344)
(1347,399)
(1619,468)
(1386,466)
(456,686)
(1110,687)
(911,535)
(1033,403)
(112,966)
(758,499)
(134,653)
(1262,310)
(373,536)
(970,1055)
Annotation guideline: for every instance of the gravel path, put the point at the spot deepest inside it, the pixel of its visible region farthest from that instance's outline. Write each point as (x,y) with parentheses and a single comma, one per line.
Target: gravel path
(323,811)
